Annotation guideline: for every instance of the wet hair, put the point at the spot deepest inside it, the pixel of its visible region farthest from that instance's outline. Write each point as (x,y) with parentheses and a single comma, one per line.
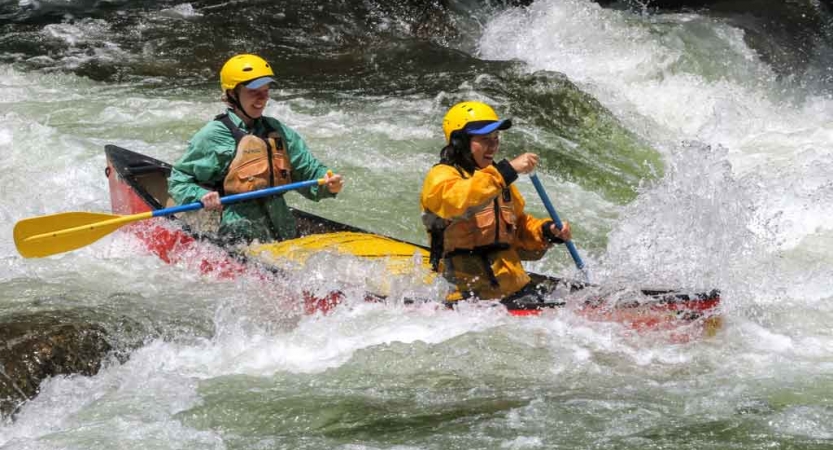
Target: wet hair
(228,99)
(458,152)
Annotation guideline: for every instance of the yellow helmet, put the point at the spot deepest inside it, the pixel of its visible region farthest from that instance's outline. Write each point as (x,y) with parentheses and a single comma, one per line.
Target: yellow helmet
(476,118)
(250,69)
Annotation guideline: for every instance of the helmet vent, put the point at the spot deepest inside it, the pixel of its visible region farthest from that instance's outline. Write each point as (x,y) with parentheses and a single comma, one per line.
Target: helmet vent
(247,69)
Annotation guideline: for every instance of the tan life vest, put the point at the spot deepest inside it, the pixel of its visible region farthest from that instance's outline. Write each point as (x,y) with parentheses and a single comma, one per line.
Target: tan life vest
(479,230)
(259,162)
(470,241)
(483,228)
(472,244)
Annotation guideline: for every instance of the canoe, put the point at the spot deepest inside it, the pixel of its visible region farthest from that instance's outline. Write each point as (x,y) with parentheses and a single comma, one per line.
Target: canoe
(138,183)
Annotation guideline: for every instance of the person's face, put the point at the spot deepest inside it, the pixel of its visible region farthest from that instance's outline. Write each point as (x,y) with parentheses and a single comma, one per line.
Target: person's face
(254,100)
(484,148)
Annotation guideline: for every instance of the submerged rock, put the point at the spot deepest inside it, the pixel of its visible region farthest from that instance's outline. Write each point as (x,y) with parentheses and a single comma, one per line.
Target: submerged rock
(40,345)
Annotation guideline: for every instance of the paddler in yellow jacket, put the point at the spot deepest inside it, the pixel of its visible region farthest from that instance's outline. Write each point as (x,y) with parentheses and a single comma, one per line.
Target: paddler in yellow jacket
(242,150)
(474,215)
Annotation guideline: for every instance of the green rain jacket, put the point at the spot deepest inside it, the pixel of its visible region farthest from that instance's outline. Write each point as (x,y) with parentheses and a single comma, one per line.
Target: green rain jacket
(205,164)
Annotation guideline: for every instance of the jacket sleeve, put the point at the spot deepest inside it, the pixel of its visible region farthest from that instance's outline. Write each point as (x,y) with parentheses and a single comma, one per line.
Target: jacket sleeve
(304,165)
(530,233)
(208,154)
(447,194)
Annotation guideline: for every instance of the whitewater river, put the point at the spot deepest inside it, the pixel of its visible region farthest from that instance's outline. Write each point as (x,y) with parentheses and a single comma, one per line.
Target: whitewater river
(736,195)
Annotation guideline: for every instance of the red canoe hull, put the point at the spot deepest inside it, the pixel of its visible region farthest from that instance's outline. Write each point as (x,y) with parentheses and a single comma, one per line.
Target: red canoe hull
(680,315)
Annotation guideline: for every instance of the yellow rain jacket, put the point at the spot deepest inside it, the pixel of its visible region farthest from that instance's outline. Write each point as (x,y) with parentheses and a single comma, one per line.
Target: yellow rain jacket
(452,197)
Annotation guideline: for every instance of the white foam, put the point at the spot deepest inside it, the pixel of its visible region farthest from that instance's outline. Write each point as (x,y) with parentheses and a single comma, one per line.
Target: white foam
(659,74)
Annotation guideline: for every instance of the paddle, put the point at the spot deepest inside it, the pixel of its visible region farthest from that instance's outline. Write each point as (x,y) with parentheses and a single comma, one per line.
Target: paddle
(57,233)
(554,215)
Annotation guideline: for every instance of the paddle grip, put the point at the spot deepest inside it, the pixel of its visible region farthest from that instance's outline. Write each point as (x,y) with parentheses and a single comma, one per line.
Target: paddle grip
(554,215)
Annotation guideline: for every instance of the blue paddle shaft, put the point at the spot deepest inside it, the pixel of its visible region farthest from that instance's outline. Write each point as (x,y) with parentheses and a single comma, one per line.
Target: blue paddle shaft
(554,215)
(237,197)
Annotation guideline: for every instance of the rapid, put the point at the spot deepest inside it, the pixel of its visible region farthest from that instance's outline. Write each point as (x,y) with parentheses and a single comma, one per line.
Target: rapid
(721,181)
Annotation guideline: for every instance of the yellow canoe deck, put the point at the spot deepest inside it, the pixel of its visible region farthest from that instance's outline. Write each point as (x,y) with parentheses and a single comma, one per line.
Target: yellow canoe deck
(383,258)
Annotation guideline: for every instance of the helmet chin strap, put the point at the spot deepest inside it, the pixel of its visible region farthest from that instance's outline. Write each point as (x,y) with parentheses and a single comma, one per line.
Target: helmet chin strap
(236,103)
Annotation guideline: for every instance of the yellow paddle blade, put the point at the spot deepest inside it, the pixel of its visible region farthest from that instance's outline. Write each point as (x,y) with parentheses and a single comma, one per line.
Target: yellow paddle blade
(37,237)
(399,257)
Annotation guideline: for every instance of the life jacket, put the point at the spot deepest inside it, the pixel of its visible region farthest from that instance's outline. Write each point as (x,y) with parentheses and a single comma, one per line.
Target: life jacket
(260,161)
(479,231)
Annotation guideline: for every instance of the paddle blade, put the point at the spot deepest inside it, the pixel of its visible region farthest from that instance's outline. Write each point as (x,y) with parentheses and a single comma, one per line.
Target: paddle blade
(37,237)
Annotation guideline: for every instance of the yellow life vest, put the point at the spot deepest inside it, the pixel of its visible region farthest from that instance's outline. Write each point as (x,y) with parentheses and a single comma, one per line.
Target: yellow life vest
(259,161)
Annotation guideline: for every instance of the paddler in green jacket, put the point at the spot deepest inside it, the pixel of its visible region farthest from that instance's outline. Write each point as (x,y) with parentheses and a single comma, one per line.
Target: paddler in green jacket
(242,150)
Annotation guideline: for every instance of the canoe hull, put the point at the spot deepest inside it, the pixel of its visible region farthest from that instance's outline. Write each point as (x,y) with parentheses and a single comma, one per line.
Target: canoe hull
(138,184)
